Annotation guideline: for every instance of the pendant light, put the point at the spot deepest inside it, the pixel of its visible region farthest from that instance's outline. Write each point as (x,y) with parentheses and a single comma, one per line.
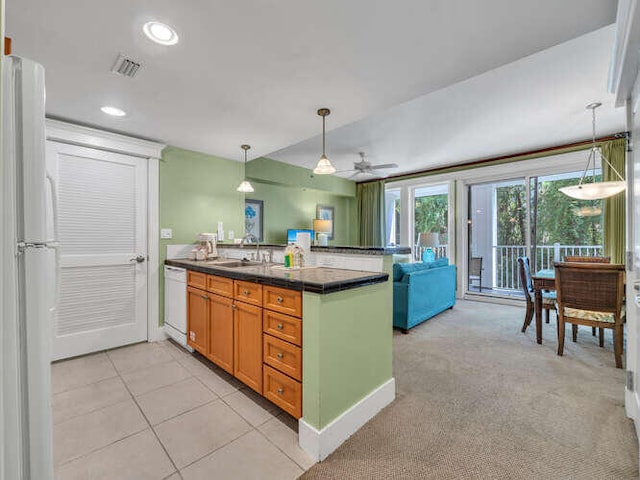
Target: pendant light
(595,190)
(324,166)
(245,186)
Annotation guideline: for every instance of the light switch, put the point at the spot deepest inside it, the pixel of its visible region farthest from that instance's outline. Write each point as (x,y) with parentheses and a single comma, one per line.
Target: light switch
(230,233)
(166,233)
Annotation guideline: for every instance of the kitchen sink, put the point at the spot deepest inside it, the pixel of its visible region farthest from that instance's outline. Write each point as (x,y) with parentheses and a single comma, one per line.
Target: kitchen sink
(233,263)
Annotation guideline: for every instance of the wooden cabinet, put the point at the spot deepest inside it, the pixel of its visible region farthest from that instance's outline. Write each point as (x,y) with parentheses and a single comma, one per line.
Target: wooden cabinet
(284,327)
(248,292)
(252,331)
(198,320)
(248,345)
(197,280)
(283,300)
(283,391)
(221,332)
(220,285)
(283,356)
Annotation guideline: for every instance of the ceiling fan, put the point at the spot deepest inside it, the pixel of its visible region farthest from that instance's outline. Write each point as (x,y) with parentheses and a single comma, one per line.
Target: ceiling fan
(364,167)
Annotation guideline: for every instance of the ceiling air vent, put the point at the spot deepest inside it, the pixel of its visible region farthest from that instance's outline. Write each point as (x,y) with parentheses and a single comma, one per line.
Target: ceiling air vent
(125,66)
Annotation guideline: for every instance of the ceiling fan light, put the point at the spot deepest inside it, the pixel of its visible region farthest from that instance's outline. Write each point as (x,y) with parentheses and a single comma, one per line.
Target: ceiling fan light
(594,191)
(324,167)
(245,187)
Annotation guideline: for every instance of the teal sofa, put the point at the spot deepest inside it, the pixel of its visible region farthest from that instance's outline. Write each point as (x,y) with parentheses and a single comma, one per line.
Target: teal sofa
(421,291)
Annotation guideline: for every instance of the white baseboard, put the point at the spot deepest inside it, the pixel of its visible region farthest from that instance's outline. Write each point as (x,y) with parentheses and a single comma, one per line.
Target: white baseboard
(157,334)
(320,443)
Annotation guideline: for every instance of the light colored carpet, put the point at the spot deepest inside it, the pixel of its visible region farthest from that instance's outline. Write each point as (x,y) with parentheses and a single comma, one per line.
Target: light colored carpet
(478,399)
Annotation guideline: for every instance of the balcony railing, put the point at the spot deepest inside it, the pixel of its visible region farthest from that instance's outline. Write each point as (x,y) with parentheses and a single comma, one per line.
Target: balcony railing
(440,250)
(506,260)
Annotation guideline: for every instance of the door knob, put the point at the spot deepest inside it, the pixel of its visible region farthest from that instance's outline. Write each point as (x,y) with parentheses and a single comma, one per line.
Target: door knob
(139,259)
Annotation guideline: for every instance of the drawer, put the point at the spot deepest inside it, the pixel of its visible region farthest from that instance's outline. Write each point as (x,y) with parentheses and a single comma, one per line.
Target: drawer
(220,285)
(282,356)
(283,326)
(248,292)
(283,300)
(283,391)
(197,280)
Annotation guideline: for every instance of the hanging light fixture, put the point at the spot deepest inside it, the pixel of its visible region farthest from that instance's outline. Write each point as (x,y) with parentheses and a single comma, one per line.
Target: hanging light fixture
(324,166)
(588,211)
(595,190)
(245,186)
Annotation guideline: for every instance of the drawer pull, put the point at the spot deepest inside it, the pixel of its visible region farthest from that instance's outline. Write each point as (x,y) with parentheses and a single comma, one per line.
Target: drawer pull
(280,326)
(280,299)
(280,355)
(280,391)
(233,306)
(246,293)
(204,297)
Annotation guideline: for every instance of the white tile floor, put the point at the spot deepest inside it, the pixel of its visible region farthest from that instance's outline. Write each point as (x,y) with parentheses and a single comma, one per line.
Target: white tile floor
(153,411)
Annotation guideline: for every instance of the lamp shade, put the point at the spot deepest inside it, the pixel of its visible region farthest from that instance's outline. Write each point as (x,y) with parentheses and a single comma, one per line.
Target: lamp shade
(245,187)
(429,239)
(324,167)
(322,226)
(594,191)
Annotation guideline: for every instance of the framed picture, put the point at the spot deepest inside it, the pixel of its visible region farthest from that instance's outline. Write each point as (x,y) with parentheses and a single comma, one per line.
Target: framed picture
(325,212)
(253,218)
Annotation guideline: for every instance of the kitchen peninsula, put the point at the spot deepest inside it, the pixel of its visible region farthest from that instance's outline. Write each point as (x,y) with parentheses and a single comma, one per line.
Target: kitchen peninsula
(315,341)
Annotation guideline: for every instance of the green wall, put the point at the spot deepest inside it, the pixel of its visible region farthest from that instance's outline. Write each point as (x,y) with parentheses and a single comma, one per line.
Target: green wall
(290,195)
(197,191)
(348,349)
(291,207)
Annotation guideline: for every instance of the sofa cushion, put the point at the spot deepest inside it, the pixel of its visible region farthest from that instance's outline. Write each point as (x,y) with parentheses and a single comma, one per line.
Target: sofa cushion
(402,269)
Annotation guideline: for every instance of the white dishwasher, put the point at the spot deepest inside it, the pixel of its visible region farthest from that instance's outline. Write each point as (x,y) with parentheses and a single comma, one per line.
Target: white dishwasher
(175,304)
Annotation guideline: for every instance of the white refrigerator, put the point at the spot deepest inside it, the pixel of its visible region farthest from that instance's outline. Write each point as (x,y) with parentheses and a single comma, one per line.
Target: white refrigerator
(28,280)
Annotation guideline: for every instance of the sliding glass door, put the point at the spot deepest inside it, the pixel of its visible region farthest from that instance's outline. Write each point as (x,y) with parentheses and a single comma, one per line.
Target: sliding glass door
(431,218)
(530,217)
(497,236)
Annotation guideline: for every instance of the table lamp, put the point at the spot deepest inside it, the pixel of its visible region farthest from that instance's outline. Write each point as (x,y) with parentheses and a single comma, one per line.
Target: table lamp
(322,228)
(428,241)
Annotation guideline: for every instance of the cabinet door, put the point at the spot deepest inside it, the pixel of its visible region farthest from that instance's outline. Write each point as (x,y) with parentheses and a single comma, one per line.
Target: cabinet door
(248,345)
(198,320)
(221,332)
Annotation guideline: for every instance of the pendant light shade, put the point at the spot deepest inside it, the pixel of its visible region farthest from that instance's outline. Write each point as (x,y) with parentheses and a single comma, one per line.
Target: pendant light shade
(595,190)
(245,186)
(324,166)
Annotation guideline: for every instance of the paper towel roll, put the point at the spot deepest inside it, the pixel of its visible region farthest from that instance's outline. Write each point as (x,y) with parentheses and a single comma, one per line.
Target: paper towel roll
(303,240)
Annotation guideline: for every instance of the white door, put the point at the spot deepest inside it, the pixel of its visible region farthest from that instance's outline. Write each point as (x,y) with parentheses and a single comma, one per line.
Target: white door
(102,216)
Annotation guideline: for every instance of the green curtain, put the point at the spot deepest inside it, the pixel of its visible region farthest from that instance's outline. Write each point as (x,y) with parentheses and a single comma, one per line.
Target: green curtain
(614,207)
(370,202)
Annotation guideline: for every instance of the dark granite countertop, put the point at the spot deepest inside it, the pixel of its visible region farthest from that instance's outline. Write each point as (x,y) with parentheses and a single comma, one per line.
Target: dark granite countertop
(330,249)
(311,279)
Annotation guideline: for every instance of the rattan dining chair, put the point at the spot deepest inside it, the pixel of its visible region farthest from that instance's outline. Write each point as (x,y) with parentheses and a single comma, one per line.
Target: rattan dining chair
(570,258)
(548,298)
(591,294)
(588,260)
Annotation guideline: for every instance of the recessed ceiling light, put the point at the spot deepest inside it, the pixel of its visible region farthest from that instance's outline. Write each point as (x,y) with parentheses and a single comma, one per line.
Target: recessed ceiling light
(160,33)
(116,112)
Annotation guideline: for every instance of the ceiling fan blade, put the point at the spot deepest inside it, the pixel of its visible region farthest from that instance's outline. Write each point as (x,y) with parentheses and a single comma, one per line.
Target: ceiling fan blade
(384,165)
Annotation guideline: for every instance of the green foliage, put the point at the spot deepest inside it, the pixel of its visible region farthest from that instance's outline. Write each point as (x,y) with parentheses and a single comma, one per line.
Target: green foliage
(557,221)
(432,215)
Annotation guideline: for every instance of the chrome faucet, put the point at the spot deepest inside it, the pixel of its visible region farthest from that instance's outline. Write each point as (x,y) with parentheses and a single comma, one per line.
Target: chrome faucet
(250,238)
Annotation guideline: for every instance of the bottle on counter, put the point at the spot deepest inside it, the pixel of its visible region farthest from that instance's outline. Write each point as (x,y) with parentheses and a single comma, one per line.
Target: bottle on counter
(288,256)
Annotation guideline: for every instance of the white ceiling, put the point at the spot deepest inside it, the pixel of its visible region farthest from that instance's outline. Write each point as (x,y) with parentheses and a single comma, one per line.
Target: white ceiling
(256,71)
(532,103)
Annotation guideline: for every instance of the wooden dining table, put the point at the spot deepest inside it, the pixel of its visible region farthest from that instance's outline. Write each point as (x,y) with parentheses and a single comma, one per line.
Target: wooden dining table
(542,280)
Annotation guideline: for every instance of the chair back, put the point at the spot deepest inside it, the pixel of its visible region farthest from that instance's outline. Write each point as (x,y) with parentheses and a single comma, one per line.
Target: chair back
(587,259)
(525,276)
(590,286)
(475,267)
